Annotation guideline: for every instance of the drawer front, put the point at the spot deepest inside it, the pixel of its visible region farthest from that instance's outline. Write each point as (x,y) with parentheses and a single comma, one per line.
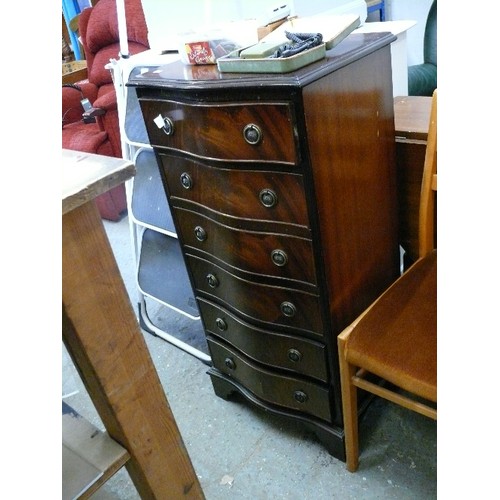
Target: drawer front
(262,195)
(288,392)
(272,305)
(235,132)
(277,350)
(261,253)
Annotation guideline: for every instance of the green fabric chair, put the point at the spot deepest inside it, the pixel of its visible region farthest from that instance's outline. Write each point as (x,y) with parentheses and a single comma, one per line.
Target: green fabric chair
(422,78)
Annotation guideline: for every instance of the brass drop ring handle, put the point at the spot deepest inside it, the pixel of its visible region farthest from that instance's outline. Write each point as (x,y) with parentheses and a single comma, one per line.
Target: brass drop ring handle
(221,324)
(186,180)
(200,233)
(279,257)
(212,280)
(168,126)
(294,355)
(268,198)
(300,396)
(165,123)
(288,309)
(252,134)
(229,362)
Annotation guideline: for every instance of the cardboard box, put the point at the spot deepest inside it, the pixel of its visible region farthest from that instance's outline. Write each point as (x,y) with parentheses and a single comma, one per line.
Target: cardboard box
(74,71)
(263,31)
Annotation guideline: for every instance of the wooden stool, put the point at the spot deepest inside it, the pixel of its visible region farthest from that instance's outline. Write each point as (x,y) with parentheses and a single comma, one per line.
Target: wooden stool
(102,335)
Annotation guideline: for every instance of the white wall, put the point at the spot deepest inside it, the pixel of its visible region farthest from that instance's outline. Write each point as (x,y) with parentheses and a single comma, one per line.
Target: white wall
(166,18)
(304,8)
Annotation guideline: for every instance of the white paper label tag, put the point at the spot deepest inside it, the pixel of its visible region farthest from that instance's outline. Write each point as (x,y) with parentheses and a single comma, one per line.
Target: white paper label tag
(159,121)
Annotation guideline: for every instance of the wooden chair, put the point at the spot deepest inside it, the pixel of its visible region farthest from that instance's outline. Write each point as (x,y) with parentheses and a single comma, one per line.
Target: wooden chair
(390,350)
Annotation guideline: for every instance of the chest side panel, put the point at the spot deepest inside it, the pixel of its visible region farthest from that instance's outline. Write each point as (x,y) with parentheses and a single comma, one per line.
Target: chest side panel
(350,127)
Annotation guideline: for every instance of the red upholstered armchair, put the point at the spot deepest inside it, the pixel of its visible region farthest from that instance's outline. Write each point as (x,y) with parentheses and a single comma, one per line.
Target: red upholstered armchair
(97,131)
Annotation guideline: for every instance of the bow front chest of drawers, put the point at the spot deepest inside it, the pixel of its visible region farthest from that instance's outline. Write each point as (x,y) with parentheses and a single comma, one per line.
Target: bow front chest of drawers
(283,192)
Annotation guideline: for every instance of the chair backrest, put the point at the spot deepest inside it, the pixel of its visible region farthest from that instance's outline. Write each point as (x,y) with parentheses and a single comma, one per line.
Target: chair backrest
(427,232)
(100,36)
(430,36)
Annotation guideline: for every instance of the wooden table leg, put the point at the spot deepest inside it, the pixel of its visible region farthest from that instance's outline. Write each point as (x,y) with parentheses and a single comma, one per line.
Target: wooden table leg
(103,337)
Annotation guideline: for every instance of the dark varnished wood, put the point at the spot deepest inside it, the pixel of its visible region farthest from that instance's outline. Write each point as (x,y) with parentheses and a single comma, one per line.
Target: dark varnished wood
(272,348)
(250,251)
(338,195)
(256,301)
(216,131)
(235,193)
(411,121)
(270,386)
(349,118)
(411,117)
(330,436)
(410,162)
(177,76)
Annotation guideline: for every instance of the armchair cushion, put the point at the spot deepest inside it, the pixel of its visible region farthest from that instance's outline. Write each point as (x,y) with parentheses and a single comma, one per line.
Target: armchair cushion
(100,36)
(103,25)
(88,138)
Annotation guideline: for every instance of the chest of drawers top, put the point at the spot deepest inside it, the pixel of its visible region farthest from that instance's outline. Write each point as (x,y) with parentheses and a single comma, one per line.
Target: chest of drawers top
(179,76)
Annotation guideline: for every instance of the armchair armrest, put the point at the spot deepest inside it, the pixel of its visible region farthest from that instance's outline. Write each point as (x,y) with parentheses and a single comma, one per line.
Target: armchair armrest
(89,115)
(106,100)
(72,95)
(104,103)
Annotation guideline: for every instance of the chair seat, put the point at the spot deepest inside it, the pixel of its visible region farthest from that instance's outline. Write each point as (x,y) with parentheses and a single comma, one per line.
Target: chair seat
(86,137)
(383,338)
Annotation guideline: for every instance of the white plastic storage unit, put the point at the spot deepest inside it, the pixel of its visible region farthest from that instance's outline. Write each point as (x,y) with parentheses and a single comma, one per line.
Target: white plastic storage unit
(164,290)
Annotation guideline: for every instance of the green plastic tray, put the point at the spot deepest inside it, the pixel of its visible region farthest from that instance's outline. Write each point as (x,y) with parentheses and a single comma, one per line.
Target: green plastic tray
(232,63)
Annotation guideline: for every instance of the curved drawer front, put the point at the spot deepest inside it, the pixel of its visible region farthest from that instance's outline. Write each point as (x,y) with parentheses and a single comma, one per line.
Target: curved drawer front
(235,132)
(255,252)
(263,195)
(274,349)
(289,392)
(272,305)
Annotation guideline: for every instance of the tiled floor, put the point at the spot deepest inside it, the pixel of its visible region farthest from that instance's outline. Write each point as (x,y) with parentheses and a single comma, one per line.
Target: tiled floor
(239,452)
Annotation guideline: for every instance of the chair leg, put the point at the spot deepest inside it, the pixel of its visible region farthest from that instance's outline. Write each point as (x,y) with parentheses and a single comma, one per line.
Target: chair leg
(350,409)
